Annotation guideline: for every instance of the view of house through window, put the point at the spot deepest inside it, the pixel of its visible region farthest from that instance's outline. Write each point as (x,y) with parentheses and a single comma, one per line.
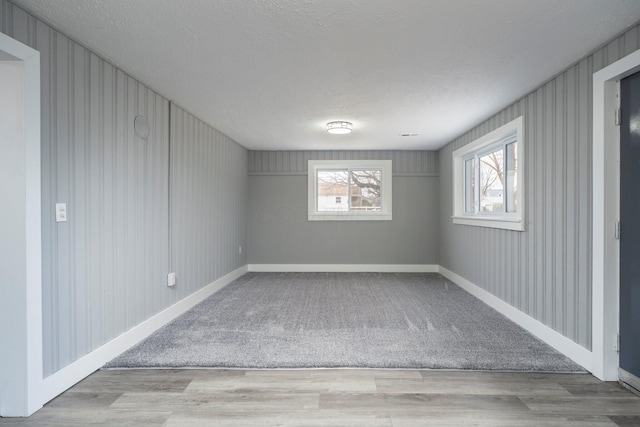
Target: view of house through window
(350,190)
(360,188)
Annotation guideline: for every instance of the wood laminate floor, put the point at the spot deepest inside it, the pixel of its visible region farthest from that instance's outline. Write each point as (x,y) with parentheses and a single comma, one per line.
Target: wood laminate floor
(337,397)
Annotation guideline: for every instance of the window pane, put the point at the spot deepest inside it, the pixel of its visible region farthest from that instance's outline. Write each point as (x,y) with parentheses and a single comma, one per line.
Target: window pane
(365,190)
(489,169)
(333,188)
(469,186)
(511,178)
(492,182)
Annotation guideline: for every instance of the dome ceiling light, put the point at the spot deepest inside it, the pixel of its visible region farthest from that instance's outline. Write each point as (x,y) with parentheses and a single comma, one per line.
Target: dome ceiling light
(339,127)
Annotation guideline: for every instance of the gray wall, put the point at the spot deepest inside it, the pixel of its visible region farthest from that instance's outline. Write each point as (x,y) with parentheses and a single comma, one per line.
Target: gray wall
(279,232)
(104,271)
(546,270)
(209,187)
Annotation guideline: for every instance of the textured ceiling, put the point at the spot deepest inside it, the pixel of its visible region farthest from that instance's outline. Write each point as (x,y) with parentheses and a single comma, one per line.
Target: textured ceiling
(271,73)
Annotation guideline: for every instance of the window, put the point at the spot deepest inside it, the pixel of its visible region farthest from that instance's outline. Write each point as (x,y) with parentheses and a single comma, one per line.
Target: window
(489,179)
(345,190)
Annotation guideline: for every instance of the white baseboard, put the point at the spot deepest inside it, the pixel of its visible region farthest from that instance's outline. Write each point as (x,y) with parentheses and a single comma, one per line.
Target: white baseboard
(86,365)
(564,345)
(344,268)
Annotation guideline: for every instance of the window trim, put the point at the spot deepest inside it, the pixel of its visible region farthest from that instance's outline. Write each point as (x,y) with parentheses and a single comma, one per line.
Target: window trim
(386,192)
(483,145)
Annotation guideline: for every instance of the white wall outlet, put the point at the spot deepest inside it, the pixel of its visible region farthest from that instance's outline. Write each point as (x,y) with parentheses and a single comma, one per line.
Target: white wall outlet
(171,279)
(61,212)
(239,249)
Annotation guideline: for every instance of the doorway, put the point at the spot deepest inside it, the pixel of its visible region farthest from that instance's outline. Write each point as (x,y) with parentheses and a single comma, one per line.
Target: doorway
(629,234)
(605,216)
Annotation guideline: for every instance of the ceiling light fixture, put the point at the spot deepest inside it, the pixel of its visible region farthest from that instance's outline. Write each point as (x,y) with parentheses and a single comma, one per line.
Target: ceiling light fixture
(339,128)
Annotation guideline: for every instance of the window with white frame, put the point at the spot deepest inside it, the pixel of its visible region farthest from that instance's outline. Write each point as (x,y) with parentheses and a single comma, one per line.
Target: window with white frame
(489,179)
(345,190)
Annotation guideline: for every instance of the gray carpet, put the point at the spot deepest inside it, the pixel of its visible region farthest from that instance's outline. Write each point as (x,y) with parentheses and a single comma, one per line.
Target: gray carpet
(372,320)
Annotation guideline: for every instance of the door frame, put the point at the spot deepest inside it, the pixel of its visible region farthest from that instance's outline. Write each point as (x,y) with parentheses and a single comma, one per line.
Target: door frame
(605,215)
(21,376)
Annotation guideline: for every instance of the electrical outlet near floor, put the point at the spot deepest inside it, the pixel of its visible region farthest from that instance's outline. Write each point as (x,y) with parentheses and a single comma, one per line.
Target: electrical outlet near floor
(171,279)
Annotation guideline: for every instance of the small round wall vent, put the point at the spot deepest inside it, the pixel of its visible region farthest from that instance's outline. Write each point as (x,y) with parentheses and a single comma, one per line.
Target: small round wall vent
(141,126)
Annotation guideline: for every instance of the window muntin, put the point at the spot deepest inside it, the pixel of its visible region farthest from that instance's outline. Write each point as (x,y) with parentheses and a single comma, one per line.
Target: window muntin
(511,177)
(469,183)
(349,190)
(488,180)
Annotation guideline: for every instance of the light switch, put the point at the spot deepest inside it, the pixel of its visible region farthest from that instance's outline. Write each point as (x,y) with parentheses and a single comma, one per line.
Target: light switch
(61,212)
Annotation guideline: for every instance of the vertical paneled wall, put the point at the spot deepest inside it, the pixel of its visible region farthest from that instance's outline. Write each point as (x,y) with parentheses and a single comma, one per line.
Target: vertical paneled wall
(208,202)
(279,232)
(105,269)
(544,271)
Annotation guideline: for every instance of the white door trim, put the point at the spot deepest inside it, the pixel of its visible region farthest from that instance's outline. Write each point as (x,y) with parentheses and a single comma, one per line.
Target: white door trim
(21,383)
(606,212)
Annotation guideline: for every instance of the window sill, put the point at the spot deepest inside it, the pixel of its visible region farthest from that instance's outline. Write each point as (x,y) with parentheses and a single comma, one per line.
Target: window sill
(505,223)
(349,217)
